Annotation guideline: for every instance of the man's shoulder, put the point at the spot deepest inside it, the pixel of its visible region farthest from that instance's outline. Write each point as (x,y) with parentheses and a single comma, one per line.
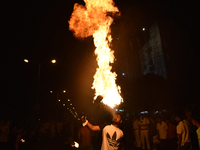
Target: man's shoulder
(164,123)
(103,126)
(179,126)
(110,126)
(198,131)
(180,123)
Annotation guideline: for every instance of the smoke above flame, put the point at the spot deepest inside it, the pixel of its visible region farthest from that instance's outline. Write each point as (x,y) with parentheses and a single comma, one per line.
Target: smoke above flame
(93,20)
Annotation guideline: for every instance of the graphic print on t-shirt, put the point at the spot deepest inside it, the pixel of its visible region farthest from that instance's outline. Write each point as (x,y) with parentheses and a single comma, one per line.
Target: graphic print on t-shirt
(112,141)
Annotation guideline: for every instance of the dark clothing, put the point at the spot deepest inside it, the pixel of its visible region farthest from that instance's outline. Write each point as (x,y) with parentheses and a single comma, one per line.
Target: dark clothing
(4,145)
(152,132)
(153,129)
(171,131)
(86,146)
(164,144)
(172,144)
(128,134)
(172,137)
(186,146)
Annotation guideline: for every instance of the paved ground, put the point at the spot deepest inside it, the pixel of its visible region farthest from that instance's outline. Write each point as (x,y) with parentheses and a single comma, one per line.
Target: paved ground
(56,144)
(47,144)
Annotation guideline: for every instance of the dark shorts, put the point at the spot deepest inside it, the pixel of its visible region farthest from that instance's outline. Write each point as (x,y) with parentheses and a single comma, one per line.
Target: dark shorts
(85,146)
(186,146)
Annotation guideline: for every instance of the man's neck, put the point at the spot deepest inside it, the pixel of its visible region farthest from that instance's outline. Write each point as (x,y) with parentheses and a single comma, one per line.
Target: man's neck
(115,125)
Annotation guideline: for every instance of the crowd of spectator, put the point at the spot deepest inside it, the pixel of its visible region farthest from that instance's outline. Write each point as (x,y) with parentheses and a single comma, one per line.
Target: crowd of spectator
(175,130)
(17,134)
(178,130)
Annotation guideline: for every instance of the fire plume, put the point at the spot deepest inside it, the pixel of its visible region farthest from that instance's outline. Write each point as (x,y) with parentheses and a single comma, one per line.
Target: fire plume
(93,20)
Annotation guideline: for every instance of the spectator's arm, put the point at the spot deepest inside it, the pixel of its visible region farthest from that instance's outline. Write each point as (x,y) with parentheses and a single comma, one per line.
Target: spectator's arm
(122,145)
(179,141)
(17,141)
(145,124)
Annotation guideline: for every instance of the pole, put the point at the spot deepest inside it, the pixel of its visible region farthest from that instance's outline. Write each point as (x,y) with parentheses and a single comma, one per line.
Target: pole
(57,98)
(38,87)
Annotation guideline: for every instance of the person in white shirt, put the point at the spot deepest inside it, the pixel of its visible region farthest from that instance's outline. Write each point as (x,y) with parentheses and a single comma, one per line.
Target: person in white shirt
(184,142)
(111,134)
(162,132)
(144,131)
(136,130)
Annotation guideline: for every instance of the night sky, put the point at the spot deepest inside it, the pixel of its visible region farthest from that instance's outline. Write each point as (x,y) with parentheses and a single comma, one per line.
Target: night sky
(38,30)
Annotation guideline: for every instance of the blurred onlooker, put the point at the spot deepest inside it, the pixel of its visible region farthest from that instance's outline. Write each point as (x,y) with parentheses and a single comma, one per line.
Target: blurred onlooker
(41,131)
(144,131)
(4,132)
(196,122)
(18,138)
(153,133)
(172,136)
(162,132)
(47,129)
(192,128)
(84,135)
(184,141)
(59,128)
(136,130)
(128,133)
(52,129)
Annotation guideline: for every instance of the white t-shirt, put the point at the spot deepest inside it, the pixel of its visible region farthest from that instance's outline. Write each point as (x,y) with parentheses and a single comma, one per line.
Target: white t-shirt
(182,128)
(142,122)
(111,138)
(162,130)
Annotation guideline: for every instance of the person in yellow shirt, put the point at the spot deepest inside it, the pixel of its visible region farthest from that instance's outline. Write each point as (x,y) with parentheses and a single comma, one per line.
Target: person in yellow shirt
(196,122)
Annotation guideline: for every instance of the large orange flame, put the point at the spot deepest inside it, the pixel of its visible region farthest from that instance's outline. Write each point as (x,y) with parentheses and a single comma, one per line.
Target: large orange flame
(93,20)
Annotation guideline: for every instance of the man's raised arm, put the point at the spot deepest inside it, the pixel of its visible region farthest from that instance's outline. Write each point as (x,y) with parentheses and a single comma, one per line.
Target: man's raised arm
(92,127)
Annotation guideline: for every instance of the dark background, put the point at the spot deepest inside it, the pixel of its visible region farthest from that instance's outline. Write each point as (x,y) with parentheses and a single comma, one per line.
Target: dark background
(38,30)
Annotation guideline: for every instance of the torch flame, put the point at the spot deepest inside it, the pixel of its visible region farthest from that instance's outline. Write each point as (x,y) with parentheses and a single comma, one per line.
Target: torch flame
(92,20)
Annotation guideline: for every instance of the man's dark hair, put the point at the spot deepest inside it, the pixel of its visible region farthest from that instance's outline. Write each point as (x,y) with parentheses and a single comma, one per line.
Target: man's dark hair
(168,118)
(196,116)
(180,114)
(118,113)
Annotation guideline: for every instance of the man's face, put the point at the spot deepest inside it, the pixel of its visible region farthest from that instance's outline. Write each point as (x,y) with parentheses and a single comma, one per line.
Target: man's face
(194,122)
(117,119)
(177,119)
(167,121)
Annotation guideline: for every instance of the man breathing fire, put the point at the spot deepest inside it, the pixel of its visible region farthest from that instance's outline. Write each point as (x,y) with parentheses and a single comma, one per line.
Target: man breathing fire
(111,133)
